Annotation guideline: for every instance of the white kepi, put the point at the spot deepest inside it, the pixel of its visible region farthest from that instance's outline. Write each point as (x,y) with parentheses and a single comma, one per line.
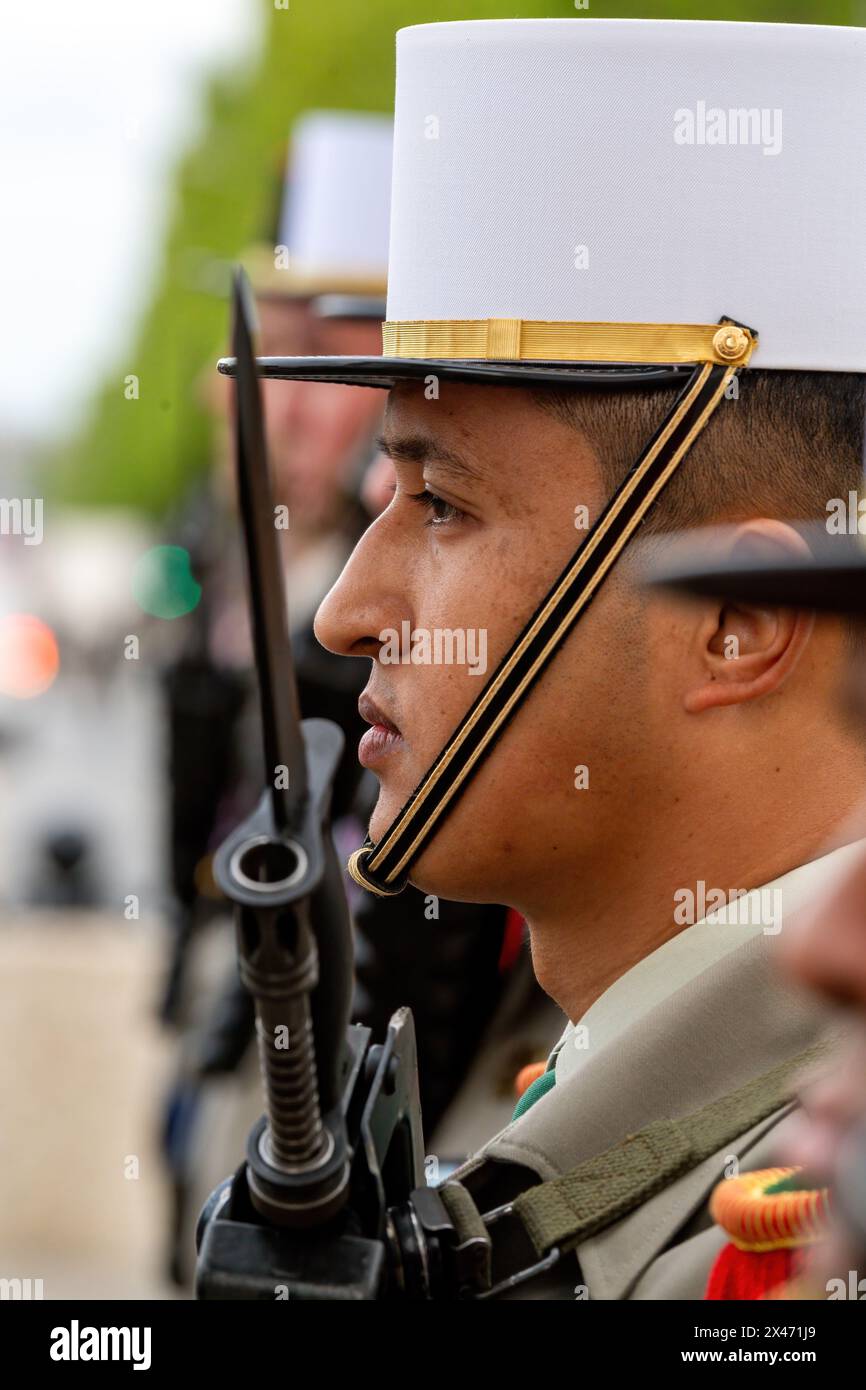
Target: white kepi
(601,192)
(335,215)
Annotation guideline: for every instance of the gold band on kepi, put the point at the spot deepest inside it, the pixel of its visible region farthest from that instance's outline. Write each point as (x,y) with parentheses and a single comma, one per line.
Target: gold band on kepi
(383,868)
(537,340)
(525,353)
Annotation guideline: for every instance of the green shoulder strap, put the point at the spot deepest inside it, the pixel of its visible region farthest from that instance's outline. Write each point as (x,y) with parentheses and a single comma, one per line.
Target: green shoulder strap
(559,1214)
(601,1190)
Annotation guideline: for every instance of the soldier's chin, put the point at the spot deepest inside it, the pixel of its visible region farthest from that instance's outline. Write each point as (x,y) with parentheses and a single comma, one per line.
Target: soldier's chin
(444,868)
(384,811)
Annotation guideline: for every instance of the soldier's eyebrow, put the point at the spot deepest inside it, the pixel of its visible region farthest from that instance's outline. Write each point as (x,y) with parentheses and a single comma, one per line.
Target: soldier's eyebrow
(425,448)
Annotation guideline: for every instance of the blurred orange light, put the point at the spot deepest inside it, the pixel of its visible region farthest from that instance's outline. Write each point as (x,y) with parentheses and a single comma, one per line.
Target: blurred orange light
(29,658)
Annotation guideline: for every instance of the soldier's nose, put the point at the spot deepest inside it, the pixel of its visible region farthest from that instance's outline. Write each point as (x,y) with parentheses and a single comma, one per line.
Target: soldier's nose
(340,628)
(353,613)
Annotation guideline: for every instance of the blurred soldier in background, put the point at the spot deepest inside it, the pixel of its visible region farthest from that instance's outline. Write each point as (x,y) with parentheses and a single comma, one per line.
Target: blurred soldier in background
(320,291)
(207,685)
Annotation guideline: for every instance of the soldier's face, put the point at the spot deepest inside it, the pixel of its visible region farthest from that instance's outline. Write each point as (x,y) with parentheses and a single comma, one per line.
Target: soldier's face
(314,433)
(488,507)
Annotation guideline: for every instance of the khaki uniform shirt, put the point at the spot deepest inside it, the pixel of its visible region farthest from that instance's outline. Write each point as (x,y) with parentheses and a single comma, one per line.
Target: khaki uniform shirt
(696,1019)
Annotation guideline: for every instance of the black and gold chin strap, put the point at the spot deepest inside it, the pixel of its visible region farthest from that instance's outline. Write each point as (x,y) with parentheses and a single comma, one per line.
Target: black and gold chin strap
(383,868)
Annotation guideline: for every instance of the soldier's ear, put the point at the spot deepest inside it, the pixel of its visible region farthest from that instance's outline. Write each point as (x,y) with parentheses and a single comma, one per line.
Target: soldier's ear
(744,651)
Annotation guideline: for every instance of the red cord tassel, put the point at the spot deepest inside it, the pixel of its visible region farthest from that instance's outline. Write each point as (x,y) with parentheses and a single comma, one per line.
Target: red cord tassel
(748,1274)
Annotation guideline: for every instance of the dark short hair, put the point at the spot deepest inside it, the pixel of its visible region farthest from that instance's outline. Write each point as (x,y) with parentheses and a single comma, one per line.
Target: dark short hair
(783,447)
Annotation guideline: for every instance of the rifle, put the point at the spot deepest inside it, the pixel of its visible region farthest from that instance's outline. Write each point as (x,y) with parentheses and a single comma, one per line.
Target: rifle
(330,1201)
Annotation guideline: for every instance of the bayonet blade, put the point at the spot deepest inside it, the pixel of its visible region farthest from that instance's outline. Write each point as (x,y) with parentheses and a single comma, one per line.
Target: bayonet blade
(285,759)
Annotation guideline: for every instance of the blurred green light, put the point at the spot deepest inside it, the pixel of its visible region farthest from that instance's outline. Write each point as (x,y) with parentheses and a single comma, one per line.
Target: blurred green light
(163,583)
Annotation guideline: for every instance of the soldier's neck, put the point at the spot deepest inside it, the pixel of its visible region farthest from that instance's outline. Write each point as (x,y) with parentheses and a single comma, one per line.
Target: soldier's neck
(590,937)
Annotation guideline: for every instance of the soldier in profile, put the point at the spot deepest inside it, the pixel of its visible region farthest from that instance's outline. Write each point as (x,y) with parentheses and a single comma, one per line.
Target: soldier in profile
(589,316)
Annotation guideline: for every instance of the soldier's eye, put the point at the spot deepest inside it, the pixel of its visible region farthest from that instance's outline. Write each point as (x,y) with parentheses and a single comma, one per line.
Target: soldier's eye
(441,512)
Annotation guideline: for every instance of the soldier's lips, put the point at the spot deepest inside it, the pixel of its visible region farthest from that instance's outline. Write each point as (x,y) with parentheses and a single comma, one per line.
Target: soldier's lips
(380,740)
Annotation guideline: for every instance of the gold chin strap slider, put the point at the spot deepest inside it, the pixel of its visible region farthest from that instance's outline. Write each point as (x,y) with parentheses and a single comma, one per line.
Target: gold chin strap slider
(731,344)
(357,870)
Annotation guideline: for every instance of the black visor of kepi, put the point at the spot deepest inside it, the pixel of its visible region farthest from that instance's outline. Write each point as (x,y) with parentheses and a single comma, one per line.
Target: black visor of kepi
(830,576)
(387,372)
